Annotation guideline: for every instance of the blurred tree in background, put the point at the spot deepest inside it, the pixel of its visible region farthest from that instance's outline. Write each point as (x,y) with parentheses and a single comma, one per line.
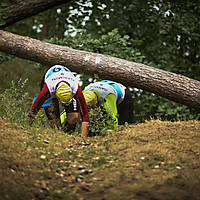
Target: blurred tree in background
(162,34)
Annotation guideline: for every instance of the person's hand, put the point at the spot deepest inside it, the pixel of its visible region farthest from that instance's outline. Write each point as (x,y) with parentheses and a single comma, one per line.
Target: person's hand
(85,141)
(30,118)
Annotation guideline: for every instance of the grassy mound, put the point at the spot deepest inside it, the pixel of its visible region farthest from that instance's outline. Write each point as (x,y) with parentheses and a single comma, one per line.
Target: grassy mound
(154,160)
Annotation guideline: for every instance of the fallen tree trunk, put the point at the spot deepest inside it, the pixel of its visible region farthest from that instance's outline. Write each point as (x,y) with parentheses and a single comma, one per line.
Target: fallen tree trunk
(172,86)
(26,9)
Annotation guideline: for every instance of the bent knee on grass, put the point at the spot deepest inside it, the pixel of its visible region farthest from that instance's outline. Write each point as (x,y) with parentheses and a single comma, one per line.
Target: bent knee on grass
(72,118)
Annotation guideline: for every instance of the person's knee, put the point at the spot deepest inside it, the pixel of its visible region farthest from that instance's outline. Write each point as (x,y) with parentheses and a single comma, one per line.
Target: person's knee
(72,118)
(55,123)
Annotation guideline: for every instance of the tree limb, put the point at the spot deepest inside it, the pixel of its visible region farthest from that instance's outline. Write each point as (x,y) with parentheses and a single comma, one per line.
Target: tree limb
(25,9)
(172,86)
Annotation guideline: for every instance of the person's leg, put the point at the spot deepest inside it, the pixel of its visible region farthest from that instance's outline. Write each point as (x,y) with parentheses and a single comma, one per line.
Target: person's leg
(125,108)
(71,116)
(72,121)
(53,114)
(111,108)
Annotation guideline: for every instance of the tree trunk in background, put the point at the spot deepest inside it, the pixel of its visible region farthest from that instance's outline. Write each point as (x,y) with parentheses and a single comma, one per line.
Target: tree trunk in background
(26,9)
(172,86)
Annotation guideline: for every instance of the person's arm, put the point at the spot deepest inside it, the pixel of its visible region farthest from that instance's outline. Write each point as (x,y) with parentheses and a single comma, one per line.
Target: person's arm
(84,129)
(37,104)
(111,108)
(83,111)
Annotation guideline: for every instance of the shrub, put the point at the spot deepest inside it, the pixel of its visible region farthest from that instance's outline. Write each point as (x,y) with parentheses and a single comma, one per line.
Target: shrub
(100,122)
(15,104)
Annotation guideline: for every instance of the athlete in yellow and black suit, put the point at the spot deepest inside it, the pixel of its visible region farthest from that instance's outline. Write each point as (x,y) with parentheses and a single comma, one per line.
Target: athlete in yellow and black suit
(115,98)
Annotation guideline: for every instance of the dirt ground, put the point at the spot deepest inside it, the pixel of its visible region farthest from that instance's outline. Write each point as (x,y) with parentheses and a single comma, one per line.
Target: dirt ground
(155,160)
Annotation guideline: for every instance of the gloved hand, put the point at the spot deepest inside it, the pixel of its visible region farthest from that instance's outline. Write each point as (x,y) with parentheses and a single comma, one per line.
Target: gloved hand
(30,117)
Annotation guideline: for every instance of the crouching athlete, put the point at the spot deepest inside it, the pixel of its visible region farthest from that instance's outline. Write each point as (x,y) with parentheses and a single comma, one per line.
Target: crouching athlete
(115,98)
(62,86)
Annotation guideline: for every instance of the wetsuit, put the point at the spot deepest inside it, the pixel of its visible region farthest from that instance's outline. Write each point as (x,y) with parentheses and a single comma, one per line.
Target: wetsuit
(116,99)
(51,79)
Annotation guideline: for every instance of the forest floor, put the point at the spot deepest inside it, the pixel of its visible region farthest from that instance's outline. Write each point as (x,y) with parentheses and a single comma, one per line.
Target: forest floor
(155,160)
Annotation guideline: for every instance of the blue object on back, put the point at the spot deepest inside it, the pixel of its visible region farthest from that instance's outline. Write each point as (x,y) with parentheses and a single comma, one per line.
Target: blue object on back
(48,102)
(115,86)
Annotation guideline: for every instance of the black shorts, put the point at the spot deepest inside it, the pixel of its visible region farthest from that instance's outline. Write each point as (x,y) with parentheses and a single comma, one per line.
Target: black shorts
(125,109)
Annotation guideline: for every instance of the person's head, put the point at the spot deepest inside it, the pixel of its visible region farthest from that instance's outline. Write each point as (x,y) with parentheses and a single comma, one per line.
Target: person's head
(90,98)
(63,92)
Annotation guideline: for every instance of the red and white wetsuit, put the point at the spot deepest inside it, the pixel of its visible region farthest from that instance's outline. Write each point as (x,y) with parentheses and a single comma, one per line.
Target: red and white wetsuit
(55,75)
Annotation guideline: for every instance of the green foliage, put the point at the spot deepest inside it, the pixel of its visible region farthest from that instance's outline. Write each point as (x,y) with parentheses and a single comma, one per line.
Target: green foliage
(16,69)
(112,43)
(168,110)
(166,32)
(4,57)
(15,104)
(100,122)
(147,106)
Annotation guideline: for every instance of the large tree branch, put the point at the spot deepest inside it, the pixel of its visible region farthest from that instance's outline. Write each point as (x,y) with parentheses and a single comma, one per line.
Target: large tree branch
(172,86)
(25,9)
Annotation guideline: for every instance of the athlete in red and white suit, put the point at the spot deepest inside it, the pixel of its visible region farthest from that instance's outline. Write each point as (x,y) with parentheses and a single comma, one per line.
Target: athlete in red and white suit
(52,78)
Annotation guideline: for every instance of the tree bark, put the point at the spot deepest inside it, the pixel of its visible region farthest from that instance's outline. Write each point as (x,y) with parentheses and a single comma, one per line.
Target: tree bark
(26,9)
(172,86)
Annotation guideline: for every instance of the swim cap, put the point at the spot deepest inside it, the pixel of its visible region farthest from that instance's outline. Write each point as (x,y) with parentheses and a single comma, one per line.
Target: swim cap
(64,92)
(90,98)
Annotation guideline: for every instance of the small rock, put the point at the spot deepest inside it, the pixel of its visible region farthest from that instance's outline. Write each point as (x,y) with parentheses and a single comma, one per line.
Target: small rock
(42,156)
